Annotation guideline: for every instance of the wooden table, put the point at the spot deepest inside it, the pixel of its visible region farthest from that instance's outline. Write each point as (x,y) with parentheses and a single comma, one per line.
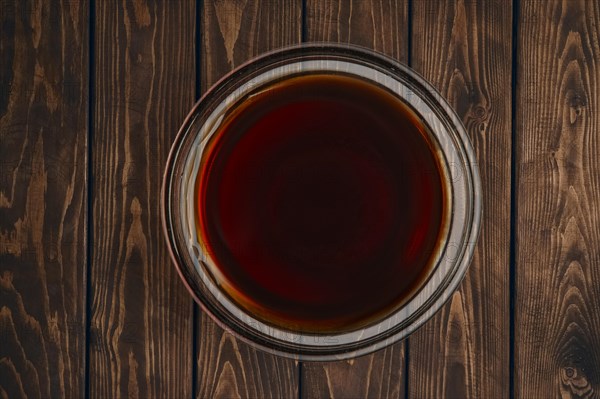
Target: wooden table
(91,96)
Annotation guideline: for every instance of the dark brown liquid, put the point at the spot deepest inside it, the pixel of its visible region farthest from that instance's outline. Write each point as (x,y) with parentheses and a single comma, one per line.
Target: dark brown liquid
(321,202)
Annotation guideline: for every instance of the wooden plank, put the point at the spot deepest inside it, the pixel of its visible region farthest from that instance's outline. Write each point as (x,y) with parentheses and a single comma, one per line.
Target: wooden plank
(233,32)
(141,326)
(43,202)
(382,26)
(557,342)
(464,48)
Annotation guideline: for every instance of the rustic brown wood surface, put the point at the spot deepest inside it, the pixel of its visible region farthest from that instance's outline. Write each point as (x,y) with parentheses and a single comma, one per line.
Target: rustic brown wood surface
(141,314)
(464,49)
(90,305)
(233,32)
(43,198)
(557,315)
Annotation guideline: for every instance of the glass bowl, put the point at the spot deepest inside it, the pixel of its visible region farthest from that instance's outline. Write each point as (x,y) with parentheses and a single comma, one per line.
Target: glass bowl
(459,170)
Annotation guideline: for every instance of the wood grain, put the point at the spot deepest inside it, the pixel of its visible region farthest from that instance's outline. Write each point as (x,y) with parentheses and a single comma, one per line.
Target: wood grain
(380,25)
(233,32)
(557,342)
(378,375)
(464,48)
(141,326)
(43,162)
(229,368)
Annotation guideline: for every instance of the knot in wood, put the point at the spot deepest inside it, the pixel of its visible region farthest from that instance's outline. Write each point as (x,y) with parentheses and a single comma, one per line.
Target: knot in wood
(480,112)
(570,372)
(576,100)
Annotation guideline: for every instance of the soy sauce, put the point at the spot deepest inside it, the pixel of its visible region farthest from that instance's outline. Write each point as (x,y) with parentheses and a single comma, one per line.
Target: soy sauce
(321,201)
